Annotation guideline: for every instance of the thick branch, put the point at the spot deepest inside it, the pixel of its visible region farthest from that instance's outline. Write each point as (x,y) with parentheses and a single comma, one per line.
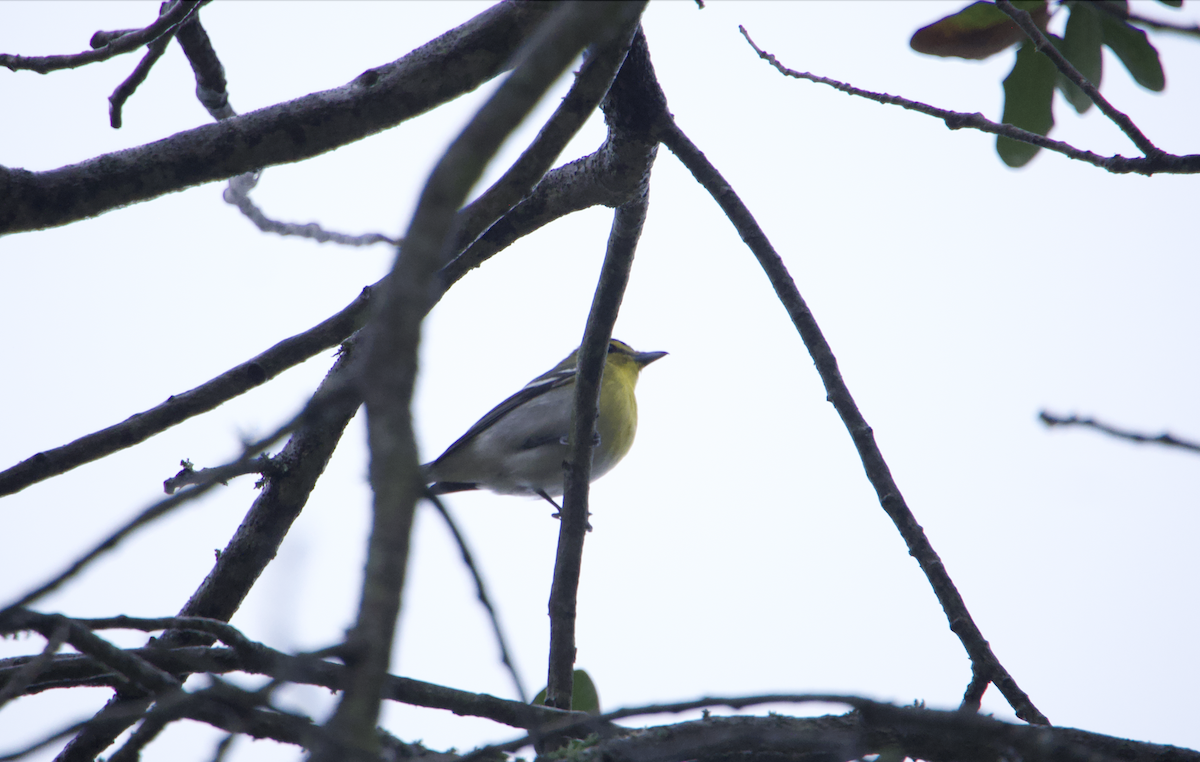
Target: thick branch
(439,71)
(873,728)
(76,670)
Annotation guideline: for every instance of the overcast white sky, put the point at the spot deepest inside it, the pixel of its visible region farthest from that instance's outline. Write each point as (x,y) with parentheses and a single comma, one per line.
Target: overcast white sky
(739,549)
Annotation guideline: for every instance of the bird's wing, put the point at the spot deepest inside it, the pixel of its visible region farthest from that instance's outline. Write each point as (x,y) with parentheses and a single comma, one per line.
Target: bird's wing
(535,388)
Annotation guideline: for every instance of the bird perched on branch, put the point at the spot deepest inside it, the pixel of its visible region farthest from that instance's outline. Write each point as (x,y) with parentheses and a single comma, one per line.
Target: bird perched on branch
(518,448)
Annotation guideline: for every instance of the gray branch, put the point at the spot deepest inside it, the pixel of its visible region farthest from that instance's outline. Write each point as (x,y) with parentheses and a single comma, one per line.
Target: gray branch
(439,71)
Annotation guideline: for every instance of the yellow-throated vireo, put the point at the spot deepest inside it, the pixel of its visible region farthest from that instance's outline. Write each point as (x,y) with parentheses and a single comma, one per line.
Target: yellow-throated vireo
(518,448)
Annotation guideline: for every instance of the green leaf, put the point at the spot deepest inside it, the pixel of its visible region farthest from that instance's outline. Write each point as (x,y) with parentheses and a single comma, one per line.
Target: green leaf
(1028,103)
(1172,3)
(1135,51)
(976,32)
(1081,46)
(584,697)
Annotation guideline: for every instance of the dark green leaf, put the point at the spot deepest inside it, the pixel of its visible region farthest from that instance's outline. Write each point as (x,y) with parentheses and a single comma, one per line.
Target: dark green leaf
(1172,3)
(1081,46)
(1028,101)
(1135,51)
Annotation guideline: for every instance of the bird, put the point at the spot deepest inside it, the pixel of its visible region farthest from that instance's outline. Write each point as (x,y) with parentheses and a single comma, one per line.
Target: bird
(519,446)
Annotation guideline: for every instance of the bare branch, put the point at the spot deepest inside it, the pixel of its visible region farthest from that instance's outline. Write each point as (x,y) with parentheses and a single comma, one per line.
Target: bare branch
(1163,439)
(75,670)
(112,46)
(212,93)
(28,672)
(138,673)
(606,177)
(1160,162)
(179,407)
(189,475)
(1190,31)
(874,727)
(878,473)
(972,699)
(155,511)
(439,71)
(116,101)
(134,709)
(237,194)
(528,171)
(481,593)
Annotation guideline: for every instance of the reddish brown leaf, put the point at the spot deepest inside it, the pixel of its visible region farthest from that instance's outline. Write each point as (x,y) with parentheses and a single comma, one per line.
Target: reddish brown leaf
(976,32)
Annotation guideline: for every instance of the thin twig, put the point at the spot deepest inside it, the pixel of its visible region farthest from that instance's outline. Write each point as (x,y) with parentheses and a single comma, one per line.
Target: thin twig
(1165,438)
(116,101)
(224,746)
(220,630)
(155,511)
(123,44)
(1160,162)
(237,194)
(143,735)
(29,671)
(1166,26)
(132,712)
(481,593)
(973,696)
(179,407)
(189,475)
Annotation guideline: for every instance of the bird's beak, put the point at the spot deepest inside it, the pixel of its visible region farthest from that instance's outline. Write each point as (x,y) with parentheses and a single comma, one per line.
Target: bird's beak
(645,358)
